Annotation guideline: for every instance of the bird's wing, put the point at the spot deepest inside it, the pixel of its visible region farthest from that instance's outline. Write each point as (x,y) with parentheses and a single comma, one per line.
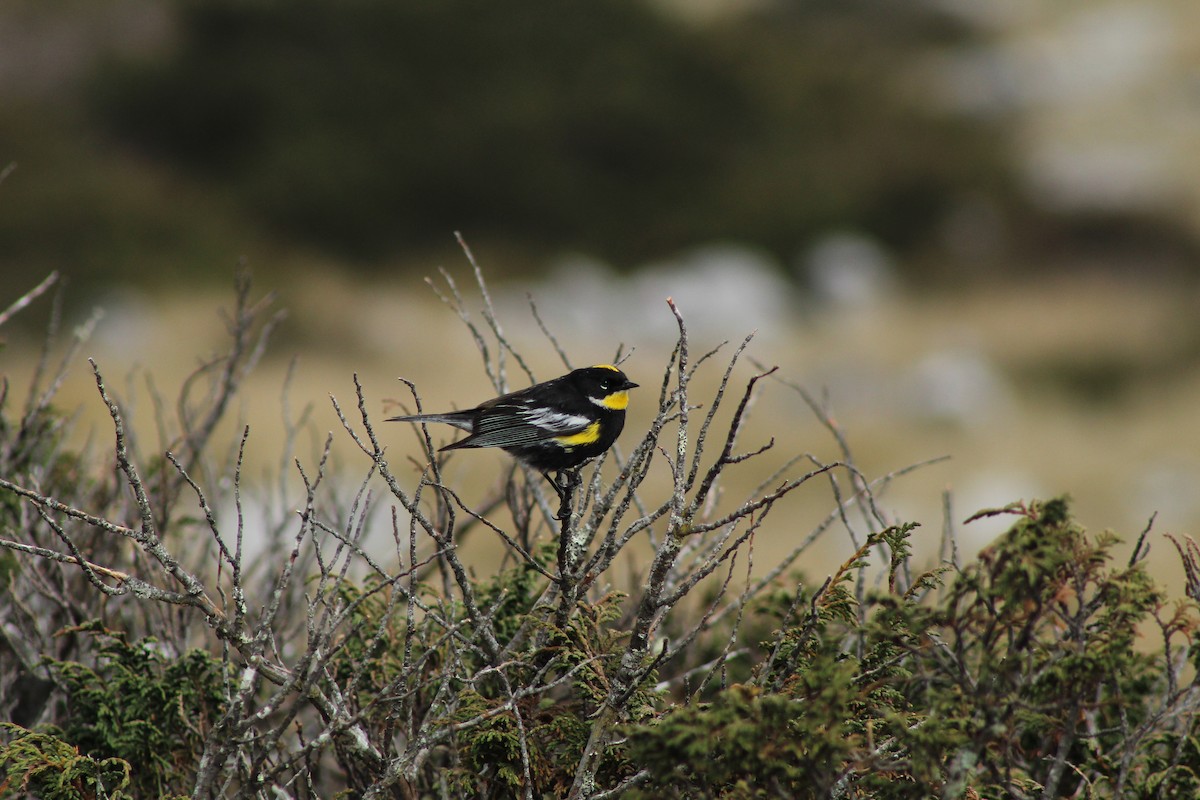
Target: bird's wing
(516,425)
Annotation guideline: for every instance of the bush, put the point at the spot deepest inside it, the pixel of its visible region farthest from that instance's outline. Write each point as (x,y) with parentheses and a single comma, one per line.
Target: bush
(136,663)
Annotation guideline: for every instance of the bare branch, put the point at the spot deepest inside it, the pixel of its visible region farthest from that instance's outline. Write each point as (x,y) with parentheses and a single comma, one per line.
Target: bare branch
(24,300)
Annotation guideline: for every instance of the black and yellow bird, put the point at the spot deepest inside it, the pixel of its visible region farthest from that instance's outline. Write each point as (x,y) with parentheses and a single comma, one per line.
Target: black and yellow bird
(553,426)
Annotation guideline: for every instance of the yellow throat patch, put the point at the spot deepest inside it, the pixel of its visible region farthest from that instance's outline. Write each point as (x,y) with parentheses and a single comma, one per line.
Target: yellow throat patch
(616,401)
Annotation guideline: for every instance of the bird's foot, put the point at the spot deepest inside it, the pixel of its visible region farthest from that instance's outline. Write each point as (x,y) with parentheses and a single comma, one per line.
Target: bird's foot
(565,481)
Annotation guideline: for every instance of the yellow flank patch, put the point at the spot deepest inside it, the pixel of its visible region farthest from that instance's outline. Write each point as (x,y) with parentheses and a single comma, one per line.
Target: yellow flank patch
(586,436)
(615,401)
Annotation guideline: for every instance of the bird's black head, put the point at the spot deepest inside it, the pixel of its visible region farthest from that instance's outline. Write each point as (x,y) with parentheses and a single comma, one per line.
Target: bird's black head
(605,385)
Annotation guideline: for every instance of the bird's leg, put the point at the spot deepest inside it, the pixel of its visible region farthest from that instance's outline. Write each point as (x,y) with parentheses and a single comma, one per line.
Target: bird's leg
(564,482)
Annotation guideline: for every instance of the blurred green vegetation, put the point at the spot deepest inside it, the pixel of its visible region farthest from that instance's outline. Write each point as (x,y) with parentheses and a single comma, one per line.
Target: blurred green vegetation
(77,204)
(369,129)
(369,126)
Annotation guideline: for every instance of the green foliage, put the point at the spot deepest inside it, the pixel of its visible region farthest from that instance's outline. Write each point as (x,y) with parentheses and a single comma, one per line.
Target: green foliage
(747,742)
(43,765)
(1025,672)
(1043,635)
(137,714)
(383,650)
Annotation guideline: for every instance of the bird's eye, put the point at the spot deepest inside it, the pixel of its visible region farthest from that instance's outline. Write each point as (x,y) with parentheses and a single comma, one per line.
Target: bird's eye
(604,385)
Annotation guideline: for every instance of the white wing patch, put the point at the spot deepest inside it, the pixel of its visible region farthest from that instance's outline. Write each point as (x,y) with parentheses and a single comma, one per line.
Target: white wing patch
(554,421)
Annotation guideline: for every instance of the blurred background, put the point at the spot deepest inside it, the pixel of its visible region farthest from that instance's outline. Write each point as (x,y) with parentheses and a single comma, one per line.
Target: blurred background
(974,223)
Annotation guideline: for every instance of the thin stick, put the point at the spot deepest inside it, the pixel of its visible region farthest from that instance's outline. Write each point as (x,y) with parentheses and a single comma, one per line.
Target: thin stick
(24,300)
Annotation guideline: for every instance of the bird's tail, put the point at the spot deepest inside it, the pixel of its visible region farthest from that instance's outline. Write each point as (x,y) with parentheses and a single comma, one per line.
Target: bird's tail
(459,419)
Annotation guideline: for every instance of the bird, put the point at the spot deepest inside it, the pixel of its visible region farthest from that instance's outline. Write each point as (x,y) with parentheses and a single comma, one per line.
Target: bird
(554,426)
